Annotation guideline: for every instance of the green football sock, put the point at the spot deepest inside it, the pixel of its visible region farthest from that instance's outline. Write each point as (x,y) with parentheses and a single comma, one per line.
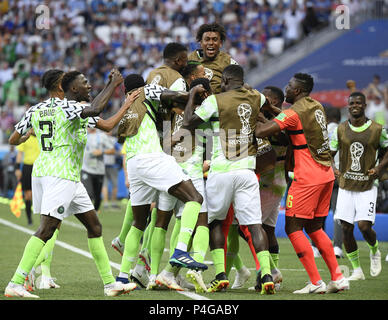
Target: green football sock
(169,268)
(200,243)
(46,266)
(373,248)
(271,262)
(188,221)
(218,256)
(30,254)
(47,250)
(274,260)
(237,262)
(173,243)
(157,247)
(233,248)
(131,248)
(230,256)
(127,222)
(354,258)
(174,235)
(264,257)
(151,225)
(147,236)
(100,256)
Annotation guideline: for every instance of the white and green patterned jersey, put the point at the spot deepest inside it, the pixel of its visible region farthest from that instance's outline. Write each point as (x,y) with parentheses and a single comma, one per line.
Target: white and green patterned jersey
(178,85)
(147,138)
(219,163)
(62,135)
(194,165)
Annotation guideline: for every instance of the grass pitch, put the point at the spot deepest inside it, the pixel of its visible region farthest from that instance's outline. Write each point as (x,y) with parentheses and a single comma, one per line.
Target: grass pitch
(77,274)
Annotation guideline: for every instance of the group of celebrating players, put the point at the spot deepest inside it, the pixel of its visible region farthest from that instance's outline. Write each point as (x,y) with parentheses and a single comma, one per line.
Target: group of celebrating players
(168,122)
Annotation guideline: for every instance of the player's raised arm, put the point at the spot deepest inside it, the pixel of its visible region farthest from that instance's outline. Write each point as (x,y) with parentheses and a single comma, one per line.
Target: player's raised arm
(100,102)
(266,128)
(108,124)
(174,98)
(190,119)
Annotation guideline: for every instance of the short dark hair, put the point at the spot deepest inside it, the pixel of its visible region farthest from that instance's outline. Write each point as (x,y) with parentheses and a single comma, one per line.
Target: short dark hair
(234,71)
(133,81)
(51,79)
(276,91)
(332,114)
(190,68)
(68,78)
(358,94)
(172,49)
(306,80)
(204,81)
(211,27)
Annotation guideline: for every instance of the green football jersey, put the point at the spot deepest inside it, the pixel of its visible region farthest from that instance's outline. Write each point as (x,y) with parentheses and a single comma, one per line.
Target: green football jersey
(193,166)
(147,138)
(62,135)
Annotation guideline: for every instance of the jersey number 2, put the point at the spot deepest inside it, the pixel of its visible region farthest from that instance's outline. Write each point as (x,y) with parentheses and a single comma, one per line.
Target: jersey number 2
(48,135)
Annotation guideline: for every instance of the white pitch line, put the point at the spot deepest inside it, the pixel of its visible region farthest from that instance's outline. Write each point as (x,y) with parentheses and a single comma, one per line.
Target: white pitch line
(86,254)
(193,295)
(73,224)
(281,269)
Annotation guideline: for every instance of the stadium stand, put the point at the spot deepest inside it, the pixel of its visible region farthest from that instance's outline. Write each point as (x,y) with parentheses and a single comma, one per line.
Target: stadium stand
(92,35)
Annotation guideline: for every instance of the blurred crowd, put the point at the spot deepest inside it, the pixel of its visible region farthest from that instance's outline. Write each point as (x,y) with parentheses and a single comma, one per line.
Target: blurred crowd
(93,35)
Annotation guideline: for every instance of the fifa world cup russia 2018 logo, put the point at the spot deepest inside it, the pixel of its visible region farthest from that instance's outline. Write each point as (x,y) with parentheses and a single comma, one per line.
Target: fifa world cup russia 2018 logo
(320,117)
(244,111)
(208,73)
(156,79)
(356,151)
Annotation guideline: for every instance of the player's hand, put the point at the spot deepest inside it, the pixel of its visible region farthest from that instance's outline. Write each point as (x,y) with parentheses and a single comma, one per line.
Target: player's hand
(97,153)
(115,77)
(177,110)
(18,174)
(131,98)
(198,89)
(261,118)
(206,166)
(374,173)
(126,182)
(337,173)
